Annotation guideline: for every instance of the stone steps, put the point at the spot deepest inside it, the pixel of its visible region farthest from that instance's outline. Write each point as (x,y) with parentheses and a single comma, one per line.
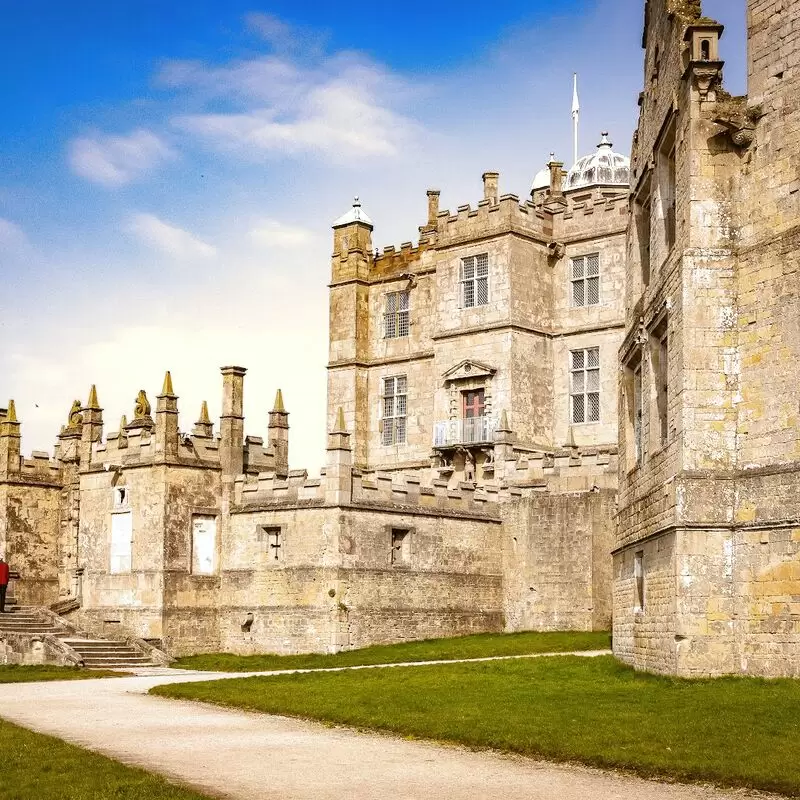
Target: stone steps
(95,653)
(103,654)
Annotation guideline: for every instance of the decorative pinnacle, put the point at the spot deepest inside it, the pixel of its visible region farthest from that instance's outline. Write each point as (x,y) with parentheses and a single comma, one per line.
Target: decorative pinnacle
(279,407)
(12,412)
(123,423)
(204,418)
(92,402)
(166,389)
(339,426)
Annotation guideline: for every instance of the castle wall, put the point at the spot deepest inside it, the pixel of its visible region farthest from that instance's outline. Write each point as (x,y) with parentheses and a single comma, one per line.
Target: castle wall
(29,530)
(556,570)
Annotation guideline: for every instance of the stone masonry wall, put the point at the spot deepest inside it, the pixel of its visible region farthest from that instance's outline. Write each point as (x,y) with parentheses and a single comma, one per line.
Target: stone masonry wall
(556,573)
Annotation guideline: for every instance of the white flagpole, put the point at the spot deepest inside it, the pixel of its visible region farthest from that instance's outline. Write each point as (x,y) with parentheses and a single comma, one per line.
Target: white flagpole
(576,111)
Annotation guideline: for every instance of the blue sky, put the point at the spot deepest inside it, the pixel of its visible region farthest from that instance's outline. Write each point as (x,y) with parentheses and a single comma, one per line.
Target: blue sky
(169,171)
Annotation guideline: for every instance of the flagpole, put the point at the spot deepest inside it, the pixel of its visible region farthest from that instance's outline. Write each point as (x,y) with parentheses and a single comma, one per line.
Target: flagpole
(576,110)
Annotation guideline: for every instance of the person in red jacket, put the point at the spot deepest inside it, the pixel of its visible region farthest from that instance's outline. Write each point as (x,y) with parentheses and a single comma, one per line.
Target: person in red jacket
(4,576)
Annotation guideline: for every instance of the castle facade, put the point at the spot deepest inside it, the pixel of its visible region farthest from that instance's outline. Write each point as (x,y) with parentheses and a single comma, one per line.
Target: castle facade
(547,414)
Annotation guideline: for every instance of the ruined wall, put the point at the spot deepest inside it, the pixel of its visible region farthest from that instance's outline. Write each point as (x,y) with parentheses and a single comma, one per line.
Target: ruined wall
(556,567)
(29,530)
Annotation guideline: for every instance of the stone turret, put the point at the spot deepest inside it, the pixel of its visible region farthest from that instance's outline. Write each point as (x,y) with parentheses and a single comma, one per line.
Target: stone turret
(167,422)
(339,467)
(10,438)
(279,435)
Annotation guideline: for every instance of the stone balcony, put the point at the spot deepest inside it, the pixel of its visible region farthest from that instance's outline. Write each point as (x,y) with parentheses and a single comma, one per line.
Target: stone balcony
(471,431)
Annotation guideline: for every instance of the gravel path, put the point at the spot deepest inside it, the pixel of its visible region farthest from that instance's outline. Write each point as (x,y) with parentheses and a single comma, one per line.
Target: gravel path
(251,756)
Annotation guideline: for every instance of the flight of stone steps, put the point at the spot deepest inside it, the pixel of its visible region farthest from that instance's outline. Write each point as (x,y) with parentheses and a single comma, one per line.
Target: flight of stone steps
(95,653)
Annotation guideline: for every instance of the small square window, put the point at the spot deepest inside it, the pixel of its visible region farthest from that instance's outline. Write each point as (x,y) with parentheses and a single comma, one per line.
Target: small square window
(120,497)
(401,546)
(272,543)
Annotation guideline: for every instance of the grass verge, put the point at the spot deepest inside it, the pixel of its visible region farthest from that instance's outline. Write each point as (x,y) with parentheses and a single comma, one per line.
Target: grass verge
(34,765)
(16,673)
(478,646)
(730,731)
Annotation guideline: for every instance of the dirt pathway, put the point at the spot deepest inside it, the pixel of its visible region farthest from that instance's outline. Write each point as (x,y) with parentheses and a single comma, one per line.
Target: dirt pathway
(237,754)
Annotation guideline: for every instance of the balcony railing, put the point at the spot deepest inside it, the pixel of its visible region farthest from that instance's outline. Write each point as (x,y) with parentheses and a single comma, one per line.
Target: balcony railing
(474,430)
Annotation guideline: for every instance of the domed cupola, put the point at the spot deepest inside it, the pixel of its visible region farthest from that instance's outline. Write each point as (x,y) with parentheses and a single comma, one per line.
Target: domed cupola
(542,178)
(603,168)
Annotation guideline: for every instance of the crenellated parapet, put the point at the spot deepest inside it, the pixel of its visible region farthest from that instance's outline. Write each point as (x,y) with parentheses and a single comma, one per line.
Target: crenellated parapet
(507,215)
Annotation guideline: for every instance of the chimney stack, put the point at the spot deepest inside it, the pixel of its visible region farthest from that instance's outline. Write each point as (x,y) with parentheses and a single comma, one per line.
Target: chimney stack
(490,183)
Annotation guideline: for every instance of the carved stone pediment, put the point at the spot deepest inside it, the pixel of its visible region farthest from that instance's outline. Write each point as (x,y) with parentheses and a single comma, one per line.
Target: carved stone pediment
(468,370)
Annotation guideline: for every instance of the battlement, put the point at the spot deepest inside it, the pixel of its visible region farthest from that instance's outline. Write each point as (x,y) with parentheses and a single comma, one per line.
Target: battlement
(266,488)
(40,467)
(398,262)
(563,470)
(490,218)
(592,212)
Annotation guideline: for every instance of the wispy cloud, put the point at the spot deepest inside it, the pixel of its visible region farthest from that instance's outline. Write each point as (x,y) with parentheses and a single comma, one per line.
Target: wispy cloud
(117,160)
(272,233)
(169,239)
(342,107)
(12,236)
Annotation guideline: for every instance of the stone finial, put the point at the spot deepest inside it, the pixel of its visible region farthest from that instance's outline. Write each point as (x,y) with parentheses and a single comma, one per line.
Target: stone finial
(11,413)
(92,403)
(278,406)
(142,408)
(75,418)
(339,426)
(123,422)
(166,389)
(203,426)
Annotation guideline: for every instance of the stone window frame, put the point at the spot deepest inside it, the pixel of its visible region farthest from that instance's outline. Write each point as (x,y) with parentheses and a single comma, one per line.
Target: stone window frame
(121,497)
(584,371)
(632,366)
(397,314)
(266,530)
(475,286)
(664,178)
(642,217)
(204,512)
(658,347)
(584,281)
(639,586)
(394,426)
(406,547)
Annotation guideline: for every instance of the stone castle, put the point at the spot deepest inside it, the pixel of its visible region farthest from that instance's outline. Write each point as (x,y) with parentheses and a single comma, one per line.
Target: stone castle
(562,412)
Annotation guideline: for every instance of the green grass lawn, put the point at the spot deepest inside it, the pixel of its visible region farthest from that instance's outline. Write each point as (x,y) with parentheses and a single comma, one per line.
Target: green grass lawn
(730,731)
(45,768)
(14,673)
(479,646)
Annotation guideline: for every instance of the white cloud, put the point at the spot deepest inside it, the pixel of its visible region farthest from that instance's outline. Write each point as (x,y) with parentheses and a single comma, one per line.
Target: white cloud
(272,233)
(11,235)
(342,108)
(117,160)
(168,238)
